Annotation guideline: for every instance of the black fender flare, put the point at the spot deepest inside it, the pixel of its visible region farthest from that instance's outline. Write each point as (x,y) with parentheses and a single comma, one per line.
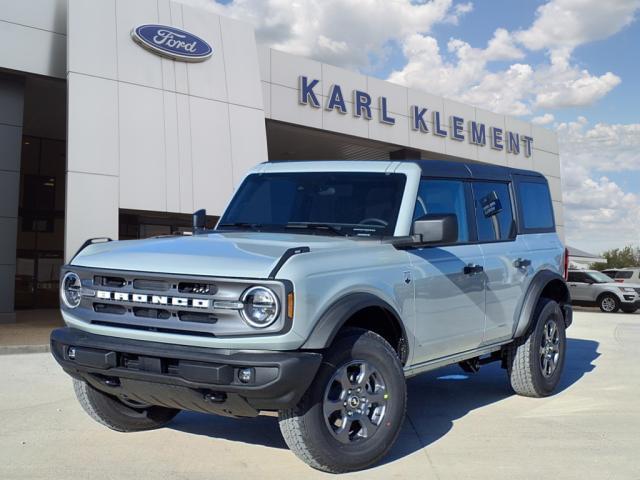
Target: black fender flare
(337,314)
(539,282)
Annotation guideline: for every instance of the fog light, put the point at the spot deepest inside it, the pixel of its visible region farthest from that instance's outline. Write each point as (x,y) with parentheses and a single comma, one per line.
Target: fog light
(245,375)
(71,353)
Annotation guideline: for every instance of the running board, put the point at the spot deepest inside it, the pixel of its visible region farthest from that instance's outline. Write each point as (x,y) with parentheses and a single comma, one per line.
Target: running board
(450,360)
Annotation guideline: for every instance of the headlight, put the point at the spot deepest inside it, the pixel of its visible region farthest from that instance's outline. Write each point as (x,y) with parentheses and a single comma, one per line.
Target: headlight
(260,308)
(627,289)
(70,289)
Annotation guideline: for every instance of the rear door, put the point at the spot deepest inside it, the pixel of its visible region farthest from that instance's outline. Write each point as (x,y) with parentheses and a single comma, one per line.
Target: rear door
(449,283)
(506,263)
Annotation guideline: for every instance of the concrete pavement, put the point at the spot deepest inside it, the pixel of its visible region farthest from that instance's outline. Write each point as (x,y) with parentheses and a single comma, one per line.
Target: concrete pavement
(459,426)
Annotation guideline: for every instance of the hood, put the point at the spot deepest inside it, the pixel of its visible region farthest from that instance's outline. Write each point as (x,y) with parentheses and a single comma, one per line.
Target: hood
(228,254)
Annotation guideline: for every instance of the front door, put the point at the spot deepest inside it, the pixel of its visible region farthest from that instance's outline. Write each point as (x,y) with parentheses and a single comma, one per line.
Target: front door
(449,281)
(580,287)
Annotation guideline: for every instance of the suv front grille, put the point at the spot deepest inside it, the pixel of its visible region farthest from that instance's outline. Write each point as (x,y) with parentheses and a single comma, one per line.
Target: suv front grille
(203,306)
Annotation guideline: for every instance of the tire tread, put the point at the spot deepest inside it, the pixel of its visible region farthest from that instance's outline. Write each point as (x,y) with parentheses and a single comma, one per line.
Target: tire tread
(294,428)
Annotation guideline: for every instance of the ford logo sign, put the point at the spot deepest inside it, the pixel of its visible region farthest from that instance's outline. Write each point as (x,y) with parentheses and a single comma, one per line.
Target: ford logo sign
(172,43)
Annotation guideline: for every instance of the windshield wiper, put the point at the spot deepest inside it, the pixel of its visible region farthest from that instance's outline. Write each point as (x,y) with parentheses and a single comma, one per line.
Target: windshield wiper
(325,227)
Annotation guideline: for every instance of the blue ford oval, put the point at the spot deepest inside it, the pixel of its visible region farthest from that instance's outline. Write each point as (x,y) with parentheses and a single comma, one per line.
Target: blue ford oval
(172,42)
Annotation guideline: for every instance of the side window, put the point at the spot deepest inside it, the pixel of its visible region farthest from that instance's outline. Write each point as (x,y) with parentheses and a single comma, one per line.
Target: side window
(443,196)
(578,277)
(494,215)
(535,206)
(624,275)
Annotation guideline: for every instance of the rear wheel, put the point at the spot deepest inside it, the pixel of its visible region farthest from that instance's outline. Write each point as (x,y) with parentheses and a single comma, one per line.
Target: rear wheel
(112,413)
(535,361)
(608,303)
(353,411)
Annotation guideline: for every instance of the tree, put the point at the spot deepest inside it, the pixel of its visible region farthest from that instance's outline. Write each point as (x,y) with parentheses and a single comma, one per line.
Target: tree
(619,258)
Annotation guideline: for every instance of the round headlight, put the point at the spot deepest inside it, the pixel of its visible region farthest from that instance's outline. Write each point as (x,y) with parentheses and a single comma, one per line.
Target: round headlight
(260,307)
(70,290)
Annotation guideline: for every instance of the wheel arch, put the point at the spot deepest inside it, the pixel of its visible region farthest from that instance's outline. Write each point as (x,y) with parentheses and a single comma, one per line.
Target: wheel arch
(545,284)
(609,293)
(363,310)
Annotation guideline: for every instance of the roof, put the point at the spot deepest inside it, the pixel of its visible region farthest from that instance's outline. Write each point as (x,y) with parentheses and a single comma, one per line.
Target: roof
(430,168)
(449,168)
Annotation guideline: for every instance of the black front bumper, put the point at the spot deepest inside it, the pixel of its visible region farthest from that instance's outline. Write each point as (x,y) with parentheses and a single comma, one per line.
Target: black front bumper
(183,377)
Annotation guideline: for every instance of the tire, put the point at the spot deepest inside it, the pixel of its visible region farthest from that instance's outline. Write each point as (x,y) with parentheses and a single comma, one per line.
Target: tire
(112,413)
(535,361)
(608,303)
(629,309)
(312,429)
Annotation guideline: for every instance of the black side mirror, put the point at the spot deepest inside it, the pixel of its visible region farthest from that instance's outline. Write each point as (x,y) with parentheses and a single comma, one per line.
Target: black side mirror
(437,228)
(199,221)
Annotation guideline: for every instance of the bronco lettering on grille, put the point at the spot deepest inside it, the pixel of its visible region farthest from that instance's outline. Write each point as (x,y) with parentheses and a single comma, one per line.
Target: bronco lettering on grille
(154,299)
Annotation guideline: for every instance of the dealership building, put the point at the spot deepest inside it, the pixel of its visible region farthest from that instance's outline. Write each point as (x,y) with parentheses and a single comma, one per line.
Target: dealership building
(119,118)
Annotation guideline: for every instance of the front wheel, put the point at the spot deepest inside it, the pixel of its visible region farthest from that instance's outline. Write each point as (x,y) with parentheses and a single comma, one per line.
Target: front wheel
(535,361)
(608,303)
(354,409)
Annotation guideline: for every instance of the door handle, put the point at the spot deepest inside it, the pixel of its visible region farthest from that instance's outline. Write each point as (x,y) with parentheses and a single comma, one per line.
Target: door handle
(522,263)
(472,268)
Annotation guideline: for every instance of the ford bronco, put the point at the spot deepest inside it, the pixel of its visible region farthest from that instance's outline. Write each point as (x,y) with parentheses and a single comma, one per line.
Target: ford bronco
(323,286)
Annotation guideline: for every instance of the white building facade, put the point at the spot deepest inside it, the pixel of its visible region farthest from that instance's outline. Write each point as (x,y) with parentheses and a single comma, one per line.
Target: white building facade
(102,135)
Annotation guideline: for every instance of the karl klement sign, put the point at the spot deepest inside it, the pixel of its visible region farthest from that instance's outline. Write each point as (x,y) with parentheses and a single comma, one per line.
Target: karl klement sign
(478,133)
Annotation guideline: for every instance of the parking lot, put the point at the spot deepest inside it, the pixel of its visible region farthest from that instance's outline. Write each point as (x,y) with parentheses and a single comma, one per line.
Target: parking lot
(459,426)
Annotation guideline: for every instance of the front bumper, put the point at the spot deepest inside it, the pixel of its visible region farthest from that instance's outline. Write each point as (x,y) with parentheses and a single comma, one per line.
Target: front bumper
(630,300)
(183,377)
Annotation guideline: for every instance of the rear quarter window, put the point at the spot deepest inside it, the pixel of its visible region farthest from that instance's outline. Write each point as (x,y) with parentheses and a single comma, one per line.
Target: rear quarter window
(535,207)
(624,275)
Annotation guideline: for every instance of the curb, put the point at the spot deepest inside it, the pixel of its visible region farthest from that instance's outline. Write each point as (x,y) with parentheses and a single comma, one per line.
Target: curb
(13,349)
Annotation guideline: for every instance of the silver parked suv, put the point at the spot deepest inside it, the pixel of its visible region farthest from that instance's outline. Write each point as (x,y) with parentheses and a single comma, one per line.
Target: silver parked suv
(593,288)
(323,286)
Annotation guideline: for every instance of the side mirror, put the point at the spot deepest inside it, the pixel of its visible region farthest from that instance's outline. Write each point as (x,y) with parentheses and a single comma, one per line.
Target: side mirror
(199,221)
(437,228)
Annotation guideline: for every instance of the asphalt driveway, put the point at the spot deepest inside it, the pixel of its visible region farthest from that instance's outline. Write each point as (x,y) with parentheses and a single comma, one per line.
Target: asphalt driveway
(460,426)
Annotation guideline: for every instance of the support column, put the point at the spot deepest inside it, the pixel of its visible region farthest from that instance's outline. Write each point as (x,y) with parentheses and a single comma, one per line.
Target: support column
(11,108)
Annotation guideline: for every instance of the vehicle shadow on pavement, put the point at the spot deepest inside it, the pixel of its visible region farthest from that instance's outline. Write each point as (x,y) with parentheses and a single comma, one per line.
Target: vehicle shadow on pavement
(438,398)
(435,400)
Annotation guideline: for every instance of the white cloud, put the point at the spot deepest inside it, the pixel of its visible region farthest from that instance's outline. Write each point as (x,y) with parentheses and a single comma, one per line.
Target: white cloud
(521,88)
(545,119)
(599,213)
(562,24)
(467,78)
(346,33)
(603,147)
(566,86)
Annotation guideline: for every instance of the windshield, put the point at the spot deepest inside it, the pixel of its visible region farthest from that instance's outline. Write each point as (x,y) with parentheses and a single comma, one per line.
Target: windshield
(600,277)
(332,203)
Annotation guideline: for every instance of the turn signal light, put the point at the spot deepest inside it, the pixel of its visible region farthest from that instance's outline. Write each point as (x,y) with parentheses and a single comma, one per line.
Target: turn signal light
(290,305)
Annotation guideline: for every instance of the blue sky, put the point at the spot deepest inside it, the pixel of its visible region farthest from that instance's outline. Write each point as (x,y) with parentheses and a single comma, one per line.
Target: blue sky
(569,65)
